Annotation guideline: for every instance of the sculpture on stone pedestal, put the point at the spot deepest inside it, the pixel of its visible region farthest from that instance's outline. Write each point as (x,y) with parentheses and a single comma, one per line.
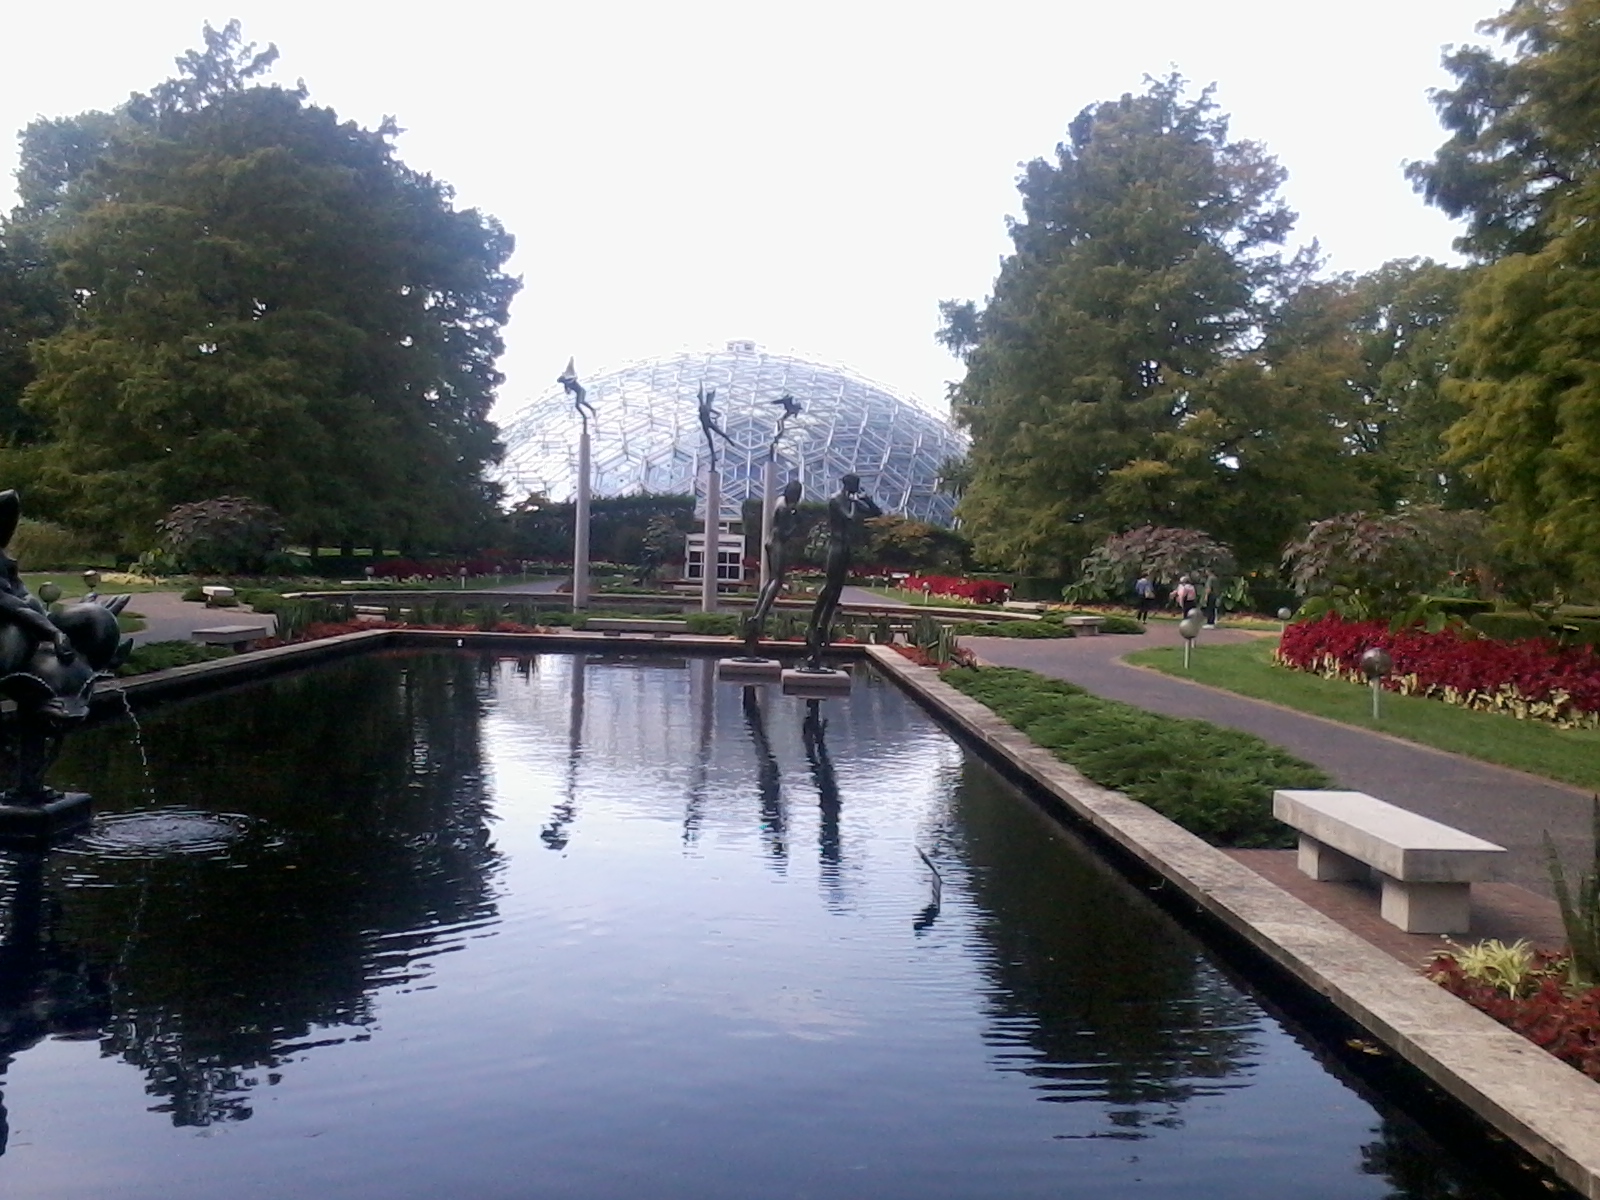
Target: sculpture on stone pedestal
(49,664)
(848,510)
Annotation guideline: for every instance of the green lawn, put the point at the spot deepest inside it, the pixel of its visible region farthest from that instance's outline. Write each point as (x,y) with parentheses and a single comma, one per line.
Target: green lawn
(1567,755)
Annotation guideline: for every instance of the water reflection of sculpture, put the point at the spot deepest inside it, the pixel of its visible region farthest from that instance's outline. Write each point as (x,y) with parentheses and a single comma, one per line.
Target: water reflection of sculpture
(830,853)
(46,990)
(394,873)
(554,835)
(774,821)
(848,509)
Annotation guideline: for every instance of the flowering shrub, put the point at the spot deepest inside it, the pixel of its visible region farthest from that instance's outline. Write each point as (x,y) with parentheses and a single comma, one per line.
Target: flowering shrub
(1527,678)
(979,591)
(1566,1024)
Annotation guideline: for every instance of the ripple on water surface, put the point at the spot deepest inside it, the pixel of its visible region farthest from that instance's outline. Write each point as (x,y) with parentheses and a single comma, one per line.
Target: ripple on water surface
(163,833)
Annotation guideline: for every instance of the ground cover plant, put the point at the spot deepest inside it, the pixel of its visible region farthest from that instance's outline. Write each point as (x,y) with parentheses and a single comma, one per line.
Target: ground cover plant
(1527,678)
(1568,755)
(1217,783)
(162,656)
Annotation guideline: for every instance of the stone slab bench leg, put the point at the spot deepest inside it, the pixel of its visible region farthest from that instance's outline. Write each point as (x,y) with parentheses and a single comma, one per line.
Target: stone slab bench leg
(1427,907)
(1327,864)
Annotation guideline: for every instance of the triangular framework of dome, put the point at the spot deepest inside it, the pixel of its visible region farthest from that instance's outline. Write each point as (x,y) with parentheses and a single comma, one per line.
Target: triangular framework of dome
(647,436)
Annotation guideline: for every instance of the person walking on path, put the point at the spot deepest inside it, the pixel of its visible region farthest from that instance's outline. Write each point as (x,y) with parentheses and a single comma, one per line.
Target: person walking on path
(1145,593)
(1183,595)
(1210,598)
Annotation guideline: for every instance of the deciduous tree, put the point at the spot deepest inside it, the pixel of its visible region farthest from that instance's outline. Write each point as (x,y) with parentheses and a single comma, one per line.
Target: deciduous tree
(268,302)
(1117,377)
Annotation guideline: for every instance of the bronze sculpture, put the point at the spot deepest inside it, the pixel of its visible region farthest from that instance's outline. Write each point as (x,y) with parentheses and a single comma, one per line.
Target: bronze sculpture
(49,665)
(847,510)
(785,523)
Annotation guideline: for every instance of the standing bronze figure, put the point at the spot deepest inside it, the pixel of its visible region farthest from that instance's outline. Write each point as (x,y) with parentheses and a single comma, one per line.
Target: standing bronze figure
(847,511)
(785,523)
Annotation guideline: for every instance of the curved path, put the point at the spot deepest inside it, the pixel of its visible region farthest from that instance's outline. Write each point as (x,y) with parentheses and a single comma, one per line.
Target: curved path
(1508,807)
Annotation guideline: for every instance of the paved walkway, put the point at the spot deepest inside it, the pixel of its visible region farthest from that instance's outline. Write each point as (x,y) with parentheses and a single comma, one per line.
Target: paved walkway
(170,618)
(1507,807)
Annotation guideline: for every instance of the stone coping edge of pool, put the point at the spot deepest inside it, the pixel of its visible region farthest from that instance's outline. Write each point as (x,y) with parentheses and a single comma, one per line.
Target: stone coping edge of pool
(257,664)
(1549,1109)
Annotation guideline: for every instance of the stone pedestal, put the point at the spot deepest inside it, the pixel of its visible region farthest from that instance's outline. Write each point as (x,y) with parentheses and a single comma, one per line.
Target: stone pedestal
(35,823)
(749,670)
(816,683)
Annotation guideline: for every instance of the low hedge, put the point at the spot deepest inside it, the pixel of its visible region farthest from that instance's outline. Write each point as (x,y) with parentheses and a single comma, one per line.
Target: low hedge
(160,656)
(1012,629)
(1217,783)
(1509,627)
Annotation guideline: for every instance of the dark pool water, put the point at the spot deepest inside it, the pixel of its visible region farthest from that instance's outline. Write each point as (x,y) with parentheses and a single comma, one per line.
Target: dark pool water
(445,925)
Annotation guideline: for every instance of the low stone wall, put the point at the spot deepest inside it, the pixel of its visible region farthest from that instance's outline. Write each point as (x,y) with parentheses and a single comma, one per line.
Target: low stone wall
(1537,1101)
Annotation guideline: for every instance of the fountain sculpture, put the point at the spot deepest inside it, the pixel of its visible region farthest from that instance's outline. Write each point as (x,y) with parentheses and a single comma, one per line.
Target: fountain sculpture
(50,661)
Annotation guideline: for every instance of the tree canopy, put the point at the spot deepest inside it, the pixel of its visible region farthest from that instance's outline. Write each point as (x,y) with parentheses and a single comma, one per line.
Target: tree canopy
(1521,168)
(264,301)
(1123,374)
(1523,129)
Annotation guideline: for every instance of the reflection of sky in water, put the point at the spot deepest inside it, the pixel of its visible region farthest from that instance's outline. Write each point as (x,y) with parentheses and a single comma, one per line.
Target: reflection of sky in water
(591,927)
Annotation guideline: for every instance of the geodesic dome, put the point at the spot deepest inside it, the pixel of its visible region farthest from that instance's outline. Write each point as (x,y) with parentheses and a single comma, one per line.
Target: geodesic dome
(646,434)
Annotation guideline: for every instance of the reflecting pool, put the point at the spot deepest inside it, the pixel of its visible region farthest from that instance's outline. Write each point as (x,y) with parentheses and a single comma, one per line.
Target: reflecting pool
(455,925)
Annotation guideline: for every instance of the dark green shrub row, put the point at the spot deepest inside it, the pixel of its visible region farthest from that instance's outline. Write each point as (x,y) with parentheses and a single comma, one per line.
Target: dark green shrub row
(1217,783)
(1505,627)
(714,624)
(1013,629)
(160,656)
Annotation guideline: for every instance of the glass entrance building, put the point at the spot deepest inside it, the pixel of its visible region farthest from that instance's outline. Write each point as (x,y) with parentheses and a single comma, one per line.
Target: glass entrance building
(647,434)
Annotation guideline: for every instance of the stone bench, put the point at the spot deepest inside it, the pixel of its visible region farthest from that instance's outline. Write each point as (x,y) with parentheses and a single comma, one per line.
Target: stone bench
(615,625)
(1089,625)
(238,637)
(1425,869)
(1035,606)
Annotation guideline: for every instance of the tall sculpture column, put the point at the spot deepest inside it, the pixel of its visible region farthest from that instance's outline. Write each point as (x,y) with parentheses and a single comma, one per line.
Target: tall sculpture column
(580,533)
(713,524)
(769,484)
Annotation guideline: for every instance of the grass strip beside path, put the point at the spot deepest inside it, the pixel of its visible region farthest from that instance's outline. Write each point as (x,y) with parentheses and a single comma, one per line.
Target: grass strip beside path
(1217,783)
(1246,668)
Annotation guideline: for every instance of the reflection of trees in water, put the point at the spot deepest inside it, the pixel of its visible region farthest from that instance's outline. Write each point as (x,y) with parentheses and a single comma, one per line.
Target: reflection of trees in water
(1097,995)
(369,848)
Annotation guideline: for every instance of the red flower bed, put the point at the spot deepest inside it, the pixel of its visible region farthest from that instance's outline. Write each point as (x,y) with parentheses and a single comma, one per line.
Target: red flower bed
(1530,677)
(1568,1026)
(980,591)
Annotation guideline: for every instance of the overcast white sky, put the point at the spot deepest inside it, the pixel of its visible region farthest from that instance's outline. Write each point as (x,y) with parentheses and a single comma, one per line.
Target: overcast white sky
(814,176)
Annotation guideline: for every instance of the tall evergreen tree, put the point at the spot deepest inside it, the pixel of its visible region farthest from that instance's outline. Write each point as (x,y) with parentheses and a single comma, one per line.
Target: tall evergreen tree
(1521,167)
(1118,377)
(266,302)
(1523,128)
